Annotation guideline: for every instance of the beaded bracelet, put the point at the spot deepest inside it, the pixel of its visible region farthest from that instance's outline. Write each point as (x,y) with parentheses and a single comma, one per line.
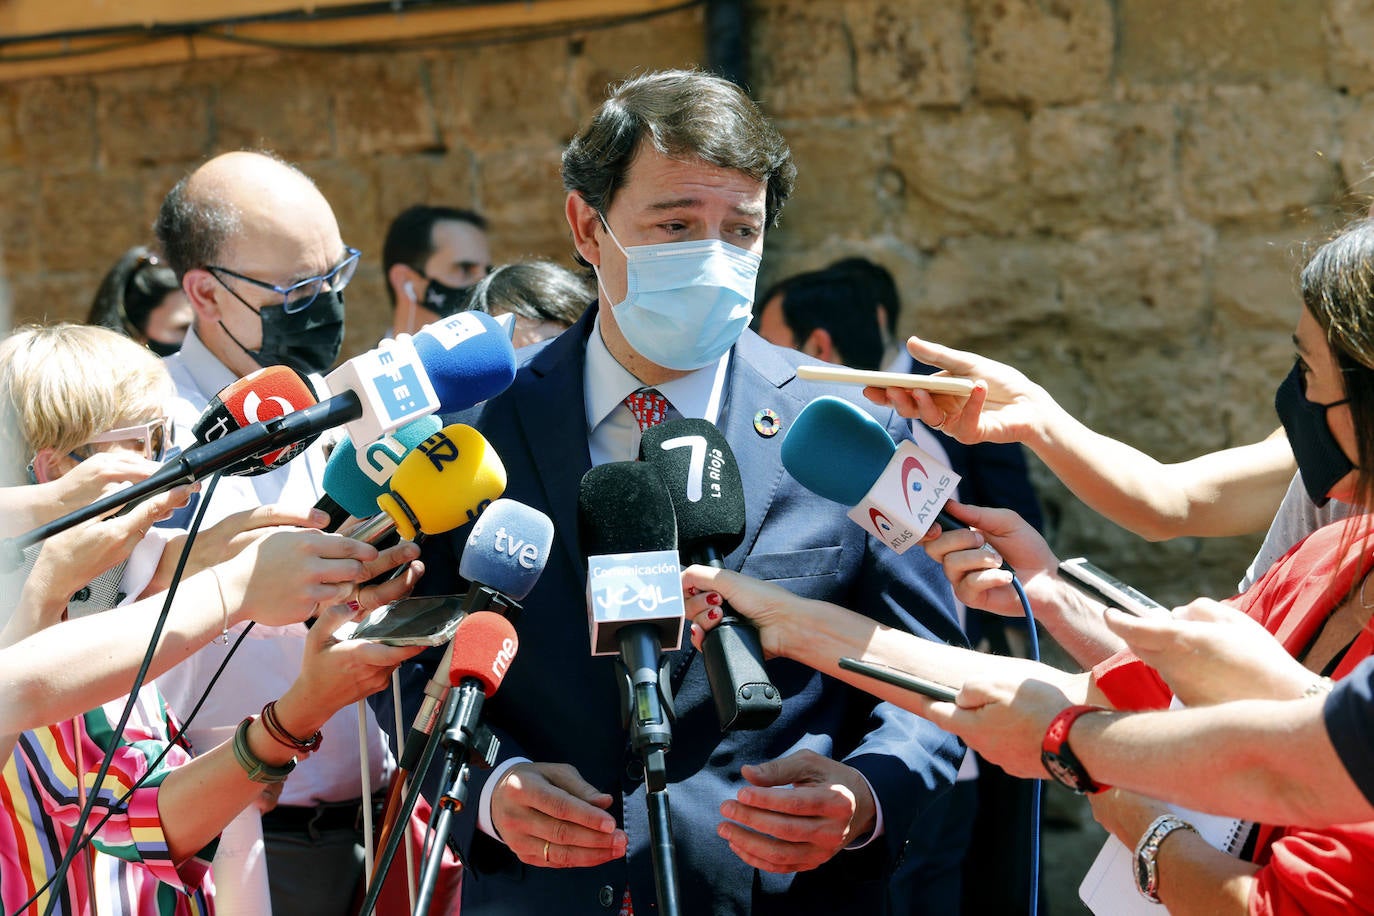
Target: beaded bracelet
(284,737)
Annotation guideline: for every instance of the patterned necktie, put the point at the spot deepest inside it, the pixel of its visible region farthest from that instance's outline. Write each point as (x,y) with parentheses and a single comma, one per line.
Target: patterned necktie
(648,406)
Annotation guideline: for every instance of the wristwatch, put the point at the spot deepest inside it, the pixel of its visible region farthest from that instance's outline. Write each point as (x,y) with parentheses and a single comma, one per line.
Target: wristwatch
(1059,760)
(1147,854)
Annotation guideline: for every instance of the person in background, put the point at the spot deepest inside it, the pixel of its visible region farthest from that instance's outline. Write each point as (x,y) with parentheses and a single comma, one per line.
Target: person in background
(141,298)
(431,257)
(545,299)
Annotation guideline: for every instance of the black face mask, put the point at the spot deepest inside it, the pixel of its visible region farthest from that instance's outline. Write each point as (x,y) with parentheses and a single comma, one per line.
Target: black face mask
(1321,463)
(446,300)
(162,349)
(308,341)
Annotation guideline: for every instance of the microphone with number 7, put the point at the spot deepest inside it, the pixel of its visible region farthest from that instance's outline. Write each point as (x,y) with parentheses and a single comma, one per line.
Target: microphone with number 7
(703,481)
(838,451)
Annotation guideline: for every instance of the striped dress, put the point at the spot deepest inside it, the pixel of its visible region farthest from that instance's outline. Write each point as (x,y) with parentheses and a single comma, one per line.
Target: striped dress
(132,872)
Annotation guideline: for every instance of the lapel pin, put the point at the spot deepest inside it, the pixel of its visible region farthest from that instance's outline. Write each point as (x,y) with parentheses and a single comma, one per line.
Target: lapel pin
(767,423)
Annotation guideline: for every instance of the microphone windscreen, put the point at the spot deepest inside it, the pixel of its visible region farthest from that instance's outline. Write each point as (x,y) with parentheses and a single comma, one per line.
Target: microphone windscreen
(355,479)
(624,507)
(468,358)
(702,476)
(507,548)
(483,648)
(444,482)
(268,393)
(836,450)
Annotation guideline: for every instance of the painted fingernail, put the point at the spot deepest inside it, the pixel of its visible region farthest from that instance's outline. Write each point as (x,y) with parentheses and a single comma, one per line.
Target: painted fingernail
(713,614)
(692,591)
(713,598)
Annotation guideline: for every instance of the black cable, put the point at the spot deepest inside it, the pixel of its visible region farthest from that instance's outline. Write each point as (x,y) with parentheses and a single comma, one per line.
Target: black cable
(59,874)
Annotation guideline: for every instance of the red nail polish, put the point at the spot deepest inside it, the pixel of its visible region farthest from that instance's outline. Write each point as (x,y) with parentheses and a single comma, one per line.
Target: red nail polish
(713,614)
(713,598)
(691,591)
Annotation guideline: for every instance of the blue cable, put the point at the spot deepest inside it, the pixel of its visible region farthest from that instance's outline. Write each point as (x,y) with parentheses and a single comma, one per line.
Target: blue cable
(1036,785)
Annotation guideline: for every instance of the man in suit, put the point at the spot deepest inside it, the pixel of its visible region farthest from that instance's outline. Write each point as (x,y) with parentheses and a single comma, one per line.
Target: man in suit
(670,188)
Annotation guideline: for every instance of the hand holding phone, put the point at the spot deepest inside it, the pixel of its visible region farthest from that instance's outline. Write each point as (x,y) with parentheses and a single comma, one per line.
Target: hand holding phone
(429,621)
(939,384)
(1097,583)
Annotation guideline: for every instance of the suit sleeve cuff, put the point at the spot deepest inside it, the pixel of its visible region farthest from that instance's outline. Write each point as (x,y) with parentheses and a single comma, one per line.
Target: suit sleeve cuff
(877,830)
(484,823)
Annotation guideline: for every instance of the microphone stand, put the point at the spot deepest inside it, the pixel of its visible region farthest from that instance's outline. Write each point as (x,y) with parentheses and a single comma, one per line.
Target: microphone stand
(649,711)
(463,737)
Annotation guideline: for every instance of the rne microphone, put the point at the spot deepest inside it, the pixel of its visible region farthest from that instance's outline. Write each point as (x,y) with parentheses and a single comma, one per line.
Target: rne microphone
(266,394)
(504,556)
(703,481)
(441,484)
(628,534)
(355,477)
(836,450)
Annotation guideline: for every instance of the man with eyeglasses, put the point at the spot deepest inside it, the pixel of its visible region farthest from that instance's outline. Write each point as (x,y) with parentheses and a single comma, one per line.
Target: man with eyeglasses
(432,257)
(259,255)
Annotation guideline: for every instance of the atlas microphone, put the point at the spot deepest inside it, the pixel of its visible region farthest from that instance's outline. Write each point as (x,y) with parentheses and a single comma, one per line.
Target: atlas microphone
(628,533)
(703,481)
(502,560)
(836,450)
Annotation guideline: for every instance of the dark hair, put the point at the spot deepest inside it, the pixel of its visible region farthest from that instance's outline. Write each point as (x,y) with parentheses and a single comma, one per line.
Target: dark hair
(540,290)
(410,237)
(838,302)
(191,229)
(1338,289)
(684,114)
(882,289)
(136,285)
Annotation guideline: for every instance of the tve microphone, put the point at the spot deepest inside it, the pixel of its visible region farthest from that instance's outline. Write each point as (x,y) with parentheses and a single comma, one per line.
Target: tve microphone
(354,477)
(266,394)
(703,481)
(628,533)
(504,556)
(441,484)
(838,451)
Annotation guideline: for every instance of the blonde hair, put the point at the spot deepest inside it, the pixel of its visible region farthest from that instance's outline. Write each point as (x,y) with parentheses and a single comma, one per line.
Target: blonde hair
(61,385)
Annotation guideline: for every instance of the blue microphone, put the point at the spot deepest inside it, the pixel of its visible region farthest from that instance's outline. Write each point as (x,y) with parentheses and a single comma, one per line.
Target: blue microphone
(468,357)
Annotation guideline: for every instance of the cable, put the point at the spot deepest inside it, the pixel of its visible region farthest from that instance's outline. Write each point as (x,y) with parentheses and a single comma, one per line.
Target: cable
(1036,785)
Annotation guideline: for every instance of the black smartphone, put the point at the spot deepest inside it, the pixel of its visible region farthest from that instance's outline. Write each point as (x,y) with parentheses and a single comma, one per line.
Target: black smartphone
(1094,582)
(900,678)
(429,621)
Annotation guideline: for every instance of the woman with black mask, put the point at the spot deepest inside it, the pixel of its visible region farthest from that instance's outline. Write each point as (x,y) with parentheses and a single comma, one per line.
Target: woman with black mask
(141,299)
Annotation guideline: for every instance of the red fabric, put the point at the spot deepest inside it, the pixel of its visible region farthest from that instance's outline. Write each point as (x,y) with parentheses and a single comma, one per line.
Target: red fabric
(1326,871)
(648,406)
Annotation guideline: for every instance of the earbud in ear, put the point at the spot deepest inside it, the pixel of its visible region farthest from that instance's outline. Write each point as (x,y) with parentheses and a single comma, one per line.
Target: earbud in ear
(410,291)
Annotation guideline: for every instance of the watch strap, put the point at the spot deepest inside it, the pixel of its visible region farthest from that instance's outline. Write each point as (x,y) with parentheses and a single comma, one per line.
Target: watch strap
(1059,759)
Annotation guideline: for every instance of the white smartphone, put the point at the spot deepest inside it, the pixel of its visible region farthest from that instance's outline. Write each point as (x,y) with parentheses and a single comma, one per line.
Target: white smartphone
(428,621)
(1097,583)
(939,384)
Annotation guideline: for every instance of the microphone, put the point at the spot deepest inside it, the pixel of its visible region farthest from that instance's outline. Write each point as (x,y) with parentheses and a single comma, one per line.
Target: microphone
(354,478)
(441,484)
(448,366)
(265,394)
(836,450)
(628,533)
(504,556)
(484,647)
(704,484)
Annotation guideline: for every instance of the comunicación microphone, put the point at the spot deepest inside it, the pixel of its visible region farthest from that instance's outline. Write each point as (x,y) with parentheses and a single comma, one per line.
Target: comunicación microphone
(703,481)
(836,450)
(628,533)
(354,478)
(505,554)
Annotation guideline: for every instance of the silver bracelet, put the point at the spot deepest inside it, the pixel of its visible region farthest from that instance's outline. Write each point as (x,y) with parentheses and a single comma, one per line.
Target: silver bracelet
(1319,688)
(1147,854)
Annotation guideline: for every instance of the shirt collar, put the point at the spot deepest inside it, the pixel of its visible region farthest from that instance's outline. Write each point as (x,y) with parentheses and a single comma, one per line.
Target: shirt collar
(606,384)
(206,370)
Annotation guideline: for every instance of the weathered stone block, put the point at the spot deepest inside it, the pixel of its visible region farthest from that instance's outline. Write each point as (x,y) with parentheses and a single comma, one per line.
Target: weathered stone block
(488,98)
(87,219)
(298,125)
(19,238)
(1220,40)
(521,192)
(382,105)
(1350,39)
(999,286)
(838,190)
(442,179)
(1102,164)
(1255,277)
(962,172)
(917,53)
(599,58)
(11,150)
(1136,283)
(801,57)
(1041,52)
(1357,149)
(350,186)
(1250,152)
(138,121)
(56,124)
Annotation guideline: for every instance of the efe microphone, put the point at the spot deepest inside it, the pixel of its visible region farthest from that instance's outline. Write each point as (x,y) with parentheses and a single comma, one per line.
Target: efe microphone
(703,482)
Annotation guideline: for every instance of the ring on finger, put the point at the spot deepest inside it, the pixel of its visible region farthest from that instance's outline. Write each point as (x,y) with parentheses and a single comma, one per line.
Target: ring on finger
(546,852)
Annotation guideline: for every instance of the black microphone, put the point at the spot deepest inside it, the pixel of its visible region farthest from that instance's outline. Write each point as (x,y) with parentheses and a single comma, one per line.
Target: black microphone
(704,483)
(628,533)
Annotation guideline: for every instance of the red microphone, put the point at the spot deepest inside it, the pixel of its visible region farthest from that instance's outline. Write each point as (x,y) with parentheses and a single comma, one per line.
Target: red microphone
(484,645)
(267,394)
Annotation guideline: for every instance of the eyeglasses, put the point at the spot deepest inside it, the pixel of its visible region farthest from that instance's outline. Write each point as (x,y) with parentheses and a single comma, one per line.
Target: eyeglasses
(147,439)
(301,294)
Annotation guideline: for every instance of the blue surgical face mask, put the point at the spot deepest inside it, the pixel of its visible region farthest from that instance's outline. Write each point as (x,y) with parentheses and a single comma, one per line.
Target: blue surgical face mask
(686,303)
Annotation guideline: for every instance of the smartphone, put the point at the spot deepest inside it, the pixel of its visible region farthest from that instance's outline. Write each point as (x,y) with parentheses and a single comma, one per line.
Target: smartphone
(1108,589)
(429,621)
(900,678)
(939,384)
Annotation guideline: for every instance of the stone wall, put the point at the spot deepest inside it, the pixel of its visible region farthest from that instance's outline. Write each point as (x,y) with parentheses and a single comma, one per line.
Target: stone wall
(1113,196)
